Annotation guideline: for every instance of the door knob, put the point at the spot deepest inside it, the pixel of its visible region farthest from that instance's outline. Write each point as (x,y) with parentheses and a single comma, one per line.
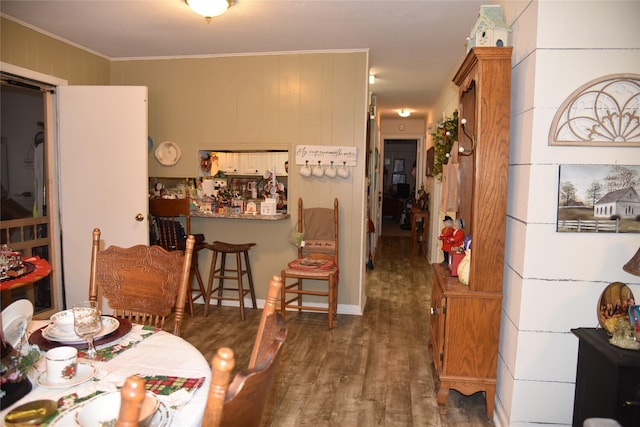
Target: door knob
(139,217)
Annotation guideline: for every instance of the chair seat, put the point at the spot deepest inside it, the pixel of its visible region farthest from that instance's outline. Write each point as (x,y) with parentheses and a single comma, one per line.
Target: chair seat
(317,272)
(199,243)
(229,247)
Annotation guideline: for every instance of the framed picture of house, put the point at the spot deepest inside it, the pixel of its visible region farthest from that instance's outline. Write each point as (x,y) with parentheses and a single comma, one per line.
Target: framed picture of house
(399,178)
(599,199)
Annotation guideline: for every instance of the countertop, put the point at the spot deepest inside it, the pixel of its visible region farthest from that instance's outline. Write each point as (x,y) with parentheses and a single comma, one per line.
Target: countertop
(256,216)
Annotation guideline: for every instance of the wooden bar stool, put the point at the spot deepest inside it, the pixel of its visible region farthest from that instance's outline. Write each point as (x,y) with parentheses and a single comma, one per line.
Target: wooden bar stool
(222,272)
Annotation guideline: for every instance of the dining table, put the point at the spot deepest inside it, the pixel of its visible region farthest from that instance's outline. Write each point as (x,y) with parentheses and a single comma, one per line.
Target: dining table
(173,369)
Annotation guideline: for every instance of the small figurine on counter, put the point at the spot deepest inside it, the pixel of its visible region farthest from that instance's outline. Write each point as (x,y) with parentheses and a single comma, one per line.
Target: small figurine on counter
(457,238)
(445,235)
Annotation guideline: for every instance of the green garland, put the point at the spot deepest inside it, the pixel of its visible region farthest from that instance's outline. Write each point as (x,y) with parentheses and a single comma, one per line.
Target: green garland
(443,138)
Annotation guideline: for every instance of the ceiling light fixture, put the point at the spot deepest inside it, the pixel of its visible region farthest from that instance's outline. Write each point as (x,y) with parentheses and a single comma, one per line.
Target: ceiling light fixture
(404,112)
(209,8)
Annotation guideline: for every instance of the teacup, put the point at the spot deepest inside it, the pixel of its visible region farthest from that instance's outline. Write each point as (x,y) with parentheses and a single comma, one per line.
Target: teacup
(343,172)
(318,171)
(63,321)
(331,171)
(305,170)
(62,364)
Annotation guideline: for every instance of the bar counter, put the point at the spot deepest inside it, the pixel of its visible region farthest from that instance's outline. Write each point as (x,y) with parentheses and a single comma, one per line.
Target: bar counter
(246,216)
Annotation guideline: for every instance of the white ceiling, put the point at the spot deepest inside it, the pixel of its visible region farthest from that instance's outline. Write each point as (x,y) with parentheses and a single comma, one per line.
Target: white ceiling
(414,45)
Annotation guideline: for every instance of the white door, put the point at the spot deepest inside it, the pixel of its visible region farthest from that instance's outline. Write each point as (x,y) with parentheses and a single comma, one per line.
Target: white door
(102,140)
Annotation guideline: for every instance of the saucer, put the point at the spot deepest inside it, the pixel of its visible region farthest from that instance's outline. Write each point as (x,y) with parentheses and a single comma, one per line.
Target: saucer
(85,373)
(52,333)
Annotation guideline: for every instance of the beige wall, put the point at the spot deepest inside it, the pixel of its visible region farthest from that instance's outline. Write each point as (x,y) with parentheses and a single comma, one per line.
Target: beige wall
(30,49)
(240,102)
(265,102)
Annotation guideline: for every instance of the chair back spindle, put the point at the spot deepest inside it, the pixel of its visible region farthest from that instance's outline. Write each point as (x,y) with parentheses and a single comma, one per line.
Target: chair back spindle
(132,394)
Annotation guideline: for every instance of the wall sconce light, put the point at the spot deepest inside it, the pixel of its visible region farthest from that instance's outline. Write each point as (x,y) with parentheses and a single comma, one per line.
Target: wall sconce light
(210,8)
(372,79)
(404,112)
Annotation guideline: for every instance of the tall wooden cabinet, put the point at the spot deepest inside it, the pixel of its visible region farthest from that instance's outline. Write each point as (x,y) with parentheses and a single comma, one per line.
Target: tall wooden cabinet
(465,320)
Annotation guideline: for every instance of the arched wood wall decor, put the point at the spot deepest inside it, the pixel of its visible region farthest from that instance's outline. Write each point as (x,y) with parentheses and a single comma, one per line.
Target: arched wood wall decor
(603,112)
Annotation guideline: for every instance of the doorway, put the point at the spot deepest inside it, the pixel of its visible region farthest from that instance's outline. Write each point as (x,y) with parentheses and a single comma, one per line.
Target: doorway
(399,185)
(26,223)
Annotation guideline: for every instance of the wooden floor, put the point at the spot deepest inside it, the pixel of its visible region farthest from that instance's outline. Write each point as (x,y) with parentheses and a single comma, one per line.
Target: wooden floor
(370,370)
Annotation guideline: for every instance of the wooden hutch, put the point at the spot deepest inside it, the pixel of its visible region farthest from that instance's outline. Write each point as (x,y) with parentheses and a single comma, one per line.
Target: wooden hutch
(465,320)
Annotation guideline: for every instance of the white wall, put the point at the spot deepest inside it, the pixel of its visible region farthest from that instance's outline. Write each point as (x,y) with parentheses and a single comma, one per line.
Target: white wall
(553,280)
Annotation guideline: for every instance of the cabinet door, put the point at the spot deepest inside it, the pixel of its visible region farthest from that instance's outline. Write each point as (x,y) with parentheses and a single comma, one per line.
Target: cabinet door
(438,308)
(252,164)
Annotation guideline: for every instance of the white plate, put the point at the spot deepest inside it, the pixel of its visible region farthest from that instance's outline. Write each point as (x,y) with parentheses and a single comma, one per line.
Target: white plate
(51,333)
(15,320)
(85,373)
(162,418)
(168,153)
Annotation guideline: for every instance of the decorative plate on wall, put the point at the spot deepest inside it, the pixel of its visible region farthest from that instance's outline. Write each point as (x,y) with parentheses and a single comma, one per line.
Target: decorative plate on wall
(168,153)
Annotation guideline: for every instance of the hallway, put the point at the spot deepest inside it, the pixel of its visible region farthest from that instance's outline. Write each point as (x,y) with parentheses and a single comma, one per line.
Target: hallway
(370,370)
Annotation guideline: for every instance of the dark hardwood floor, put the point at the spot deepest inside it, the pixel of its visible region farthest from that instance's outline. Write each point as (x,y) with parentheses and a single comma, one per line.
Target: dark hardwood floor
(370,370)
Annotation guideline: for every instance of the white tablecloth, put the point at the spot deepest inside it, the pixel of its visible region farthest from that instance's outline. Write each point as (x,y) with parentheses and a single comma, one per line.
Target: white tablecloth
(160,354)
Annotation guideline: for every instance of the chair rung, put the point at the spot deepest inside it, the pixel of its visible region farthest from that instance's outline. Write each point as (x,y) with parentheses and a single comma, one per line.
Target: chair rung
(307,307)
(244,291)
(307,292)
(226,298)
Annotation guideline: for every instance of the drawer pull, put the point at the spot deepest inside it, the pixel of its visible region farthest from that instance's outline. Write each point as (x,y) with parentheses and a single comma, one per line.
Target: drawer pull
(628,403)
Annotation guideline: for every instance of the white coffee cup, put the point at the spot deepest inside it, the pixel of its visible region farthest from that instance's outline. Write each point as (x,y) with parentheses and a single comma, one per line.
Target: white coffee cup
(331,171)
(318,171)
(305,170)
(343,172)
(62,364)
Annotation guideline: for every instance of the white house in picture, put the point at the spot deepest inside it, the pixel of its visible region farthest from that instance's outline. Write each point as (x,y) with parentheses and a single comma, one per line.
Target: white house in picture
(624,203)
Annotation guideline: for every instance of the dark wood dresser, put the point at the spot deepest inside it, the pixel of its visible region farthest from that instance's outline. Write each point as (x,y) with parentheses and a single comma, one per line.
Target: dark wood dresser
(607,380)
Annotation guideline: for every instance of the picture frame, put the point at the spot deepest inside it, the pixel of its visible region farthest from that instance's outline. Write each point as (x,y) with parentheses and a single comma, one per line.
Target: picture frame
(431,157)
(598,199)
(399,178)
(398,165)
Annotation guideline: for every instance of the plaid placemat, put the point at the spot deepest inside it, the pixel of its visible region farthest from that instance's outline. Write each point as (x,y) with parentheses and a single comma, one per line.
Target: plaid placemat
(165,385)
(109,352)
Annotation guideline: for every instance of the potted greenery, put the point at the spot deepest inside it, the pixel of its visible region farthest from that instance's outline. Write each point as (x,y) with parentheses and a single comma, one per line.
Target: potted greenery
(15,365)
(443,138)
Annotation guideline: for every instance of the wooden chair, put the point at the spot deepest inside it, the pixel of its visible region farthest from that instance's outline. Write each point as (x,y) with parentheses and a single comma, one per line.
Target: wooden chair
(242,402)
(166,215)
(142,283)
(317,260)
